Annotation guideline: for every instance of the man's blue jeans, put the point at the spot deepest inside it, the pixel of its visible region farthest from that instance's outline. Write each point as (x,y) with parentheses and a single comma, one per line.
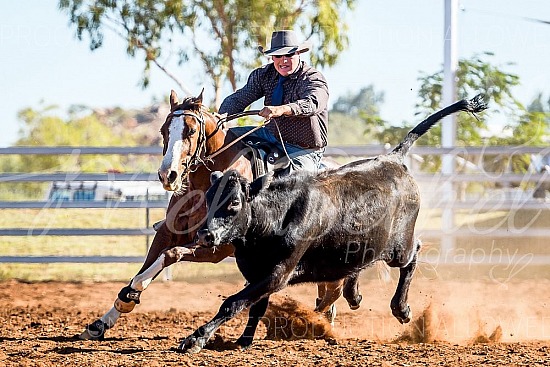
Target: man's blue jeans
(302,159)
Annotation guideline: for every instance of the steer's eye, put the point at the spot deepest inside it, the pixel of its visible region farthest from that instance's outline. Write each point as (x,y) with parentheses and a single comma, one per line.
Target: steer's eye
(235,204)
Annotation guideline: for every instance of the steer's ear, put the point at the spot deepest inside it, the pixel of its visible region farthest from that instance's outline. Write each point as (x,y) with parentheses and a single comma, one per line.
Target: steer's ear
(215,176)
(258,185)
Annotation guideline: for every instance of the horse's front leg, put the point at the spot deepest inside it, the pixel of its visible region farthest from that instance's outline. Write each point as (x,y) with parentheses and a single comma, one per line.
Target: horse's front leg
(189,252)
(129,296)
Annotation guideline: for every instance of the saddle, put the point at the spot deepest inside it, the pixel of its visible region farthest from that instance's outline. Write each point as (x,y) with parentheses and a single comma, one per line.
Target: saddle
(265,157)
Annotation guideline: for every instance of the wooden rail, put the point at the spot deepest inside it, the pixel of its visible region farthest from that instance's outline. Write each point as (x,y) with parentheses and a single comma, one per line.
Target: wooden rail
(345,151)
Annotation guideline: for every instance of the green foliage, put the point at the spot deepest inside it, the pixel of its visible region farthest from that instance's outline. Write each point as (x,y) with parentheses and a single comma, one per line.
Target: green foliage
(531,129)
(47,130)
(43,128)
(477,75)
(354,118)
(222,35)
(524,126)
(474,76)
(346,130)
(365,101)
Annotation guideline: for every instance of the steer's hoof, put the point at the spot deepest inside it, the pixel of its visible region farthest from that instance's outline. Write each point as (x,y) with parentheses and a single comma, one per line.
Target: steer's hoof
(355,303)
(404,317)
(191,345)
(94,331)
(244,342)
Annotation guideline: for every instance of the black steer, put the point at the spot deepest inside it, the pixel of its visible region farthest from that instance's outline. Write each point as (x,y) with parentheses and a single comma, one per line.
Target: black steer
(316,228)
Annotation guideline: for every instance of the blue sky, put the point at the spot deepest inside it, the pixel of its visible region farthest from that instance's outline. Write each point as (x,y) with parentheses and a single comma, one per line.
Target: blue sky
(391,41)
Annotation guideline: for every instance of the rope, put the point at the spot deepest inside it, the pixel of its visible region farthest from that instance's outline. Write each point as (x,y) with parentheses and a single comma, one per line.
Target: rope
(284,148)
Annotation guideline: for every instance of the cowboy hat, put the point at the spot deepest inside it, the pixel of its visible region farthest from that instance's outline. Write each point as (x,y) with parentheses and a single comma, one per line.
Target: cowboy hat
(285,42)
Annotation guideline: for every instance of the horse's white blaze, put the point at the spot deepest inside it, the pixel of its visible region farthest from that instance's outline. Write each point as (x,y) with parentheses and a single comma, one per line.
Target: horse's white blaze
(142,281)
(171,160)
(111,317)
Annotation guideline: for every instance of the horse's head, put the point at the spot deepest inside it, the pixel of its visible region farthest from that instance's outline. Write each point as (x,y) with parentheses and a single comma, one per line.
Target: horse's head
(184,139)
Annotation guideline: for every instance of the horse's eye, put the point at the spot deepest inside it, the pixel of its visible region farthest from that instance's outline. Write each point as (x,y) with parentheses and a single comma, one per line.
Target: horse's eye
(192,131)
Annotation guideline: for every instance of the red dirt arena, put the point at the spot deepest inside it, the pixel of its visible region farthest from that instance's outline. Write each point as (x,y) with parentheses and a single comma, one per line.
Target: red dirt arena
(486,322)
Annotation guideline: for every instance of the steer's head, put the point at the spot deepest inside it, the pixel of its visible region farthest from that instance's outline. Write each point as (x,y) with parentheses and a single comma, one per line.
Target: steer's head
(228,201)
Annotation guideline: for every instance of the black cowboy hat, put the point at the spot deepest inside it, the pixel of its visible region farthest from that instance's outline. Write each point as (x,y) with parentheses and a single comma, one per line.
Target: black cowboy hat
(285,42)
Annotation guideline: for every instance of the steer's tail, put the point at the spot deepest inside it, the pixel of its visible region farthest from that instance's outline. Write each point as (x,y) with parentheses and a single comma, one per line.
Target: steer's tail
(476,104)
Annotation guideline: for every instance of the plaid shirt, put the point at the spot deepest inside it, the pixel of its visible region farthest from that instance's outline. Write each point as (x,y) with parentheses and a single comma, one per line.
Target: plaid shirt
(305,91)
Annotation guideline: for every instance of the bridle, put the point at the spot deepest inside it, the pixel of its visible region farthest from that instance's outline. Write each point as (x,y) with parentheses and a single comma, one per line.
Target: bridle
(199,157)
(192,163)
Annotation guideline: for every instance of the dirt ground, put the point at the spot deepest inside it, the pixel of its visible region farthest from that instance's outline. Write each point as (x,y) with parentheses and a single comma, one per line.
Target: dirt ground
(455,324)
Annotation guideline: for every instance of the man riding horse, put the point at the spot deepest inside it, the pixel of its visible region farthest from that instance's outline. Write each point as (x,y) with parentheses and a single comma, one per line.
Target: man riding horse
(296,97)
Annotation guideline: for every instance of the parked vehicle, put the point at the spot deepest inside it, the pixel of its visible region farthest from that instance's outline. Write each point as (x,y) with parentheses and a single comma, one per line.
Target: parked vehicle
(106,190)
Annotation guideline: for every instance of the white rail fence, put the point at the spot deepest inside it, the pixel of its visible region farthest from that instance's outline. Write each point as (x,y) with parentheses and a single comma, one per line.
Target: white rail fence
(503,199)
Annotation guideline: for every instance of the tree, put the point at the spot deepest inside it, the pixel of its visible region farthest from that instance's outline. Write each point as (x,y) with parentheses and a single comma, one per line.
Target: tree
(531,128)
(221,34)
(366,101)
(355,118)
(83,127)
(474,75)
(523,126)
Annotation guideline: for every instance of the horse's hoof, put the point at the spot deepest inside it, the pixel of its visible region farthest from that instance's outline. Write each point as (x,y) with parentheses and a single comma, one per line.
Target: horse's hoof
(193,350)
(127,299)
(124,307)
(94,331)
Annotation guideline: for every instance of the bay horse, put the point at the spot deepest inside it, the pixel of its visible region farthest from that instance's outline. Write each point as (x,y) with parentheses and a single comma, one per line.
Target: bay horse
(191,136)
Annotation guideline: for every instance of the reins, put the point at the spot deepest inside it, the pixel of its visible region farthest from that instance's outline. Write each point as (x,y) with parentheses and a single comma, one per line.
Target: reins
(223,149)
(234,116)
(241,114)
(195,159)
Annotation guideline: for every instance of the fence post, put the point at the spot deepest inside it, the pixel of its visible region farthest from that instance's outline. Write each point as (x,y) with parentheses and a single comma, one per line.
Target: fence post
(448,130)
(147,220)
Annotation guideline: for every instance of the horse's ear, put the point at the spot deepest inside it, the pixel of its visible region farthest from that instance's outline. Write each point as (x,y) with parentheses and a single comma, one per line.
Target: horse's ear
(199,97)
(173,100)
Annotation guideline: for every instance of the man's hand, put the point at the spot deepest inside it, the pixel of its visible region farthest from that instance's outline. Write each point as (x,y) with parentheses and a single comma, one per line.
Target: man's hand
(269,112)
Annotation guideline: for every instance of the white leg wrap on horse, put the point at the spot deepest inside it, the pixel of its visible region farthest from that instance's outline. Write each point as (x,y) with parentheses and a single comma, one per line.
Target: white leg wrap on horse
(111,317)
(142,281)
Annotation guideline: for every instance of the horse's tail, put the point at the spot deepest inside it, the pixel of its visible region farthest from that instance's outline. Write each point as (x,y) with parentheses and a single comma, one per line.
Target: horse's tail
(476,104)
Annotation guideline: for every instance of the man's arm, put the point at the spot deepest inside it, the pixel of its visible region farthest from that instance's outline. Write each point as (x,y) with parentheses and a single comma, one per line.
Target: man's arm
(244,97)
(313,93)
(313,97)
(269,112)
